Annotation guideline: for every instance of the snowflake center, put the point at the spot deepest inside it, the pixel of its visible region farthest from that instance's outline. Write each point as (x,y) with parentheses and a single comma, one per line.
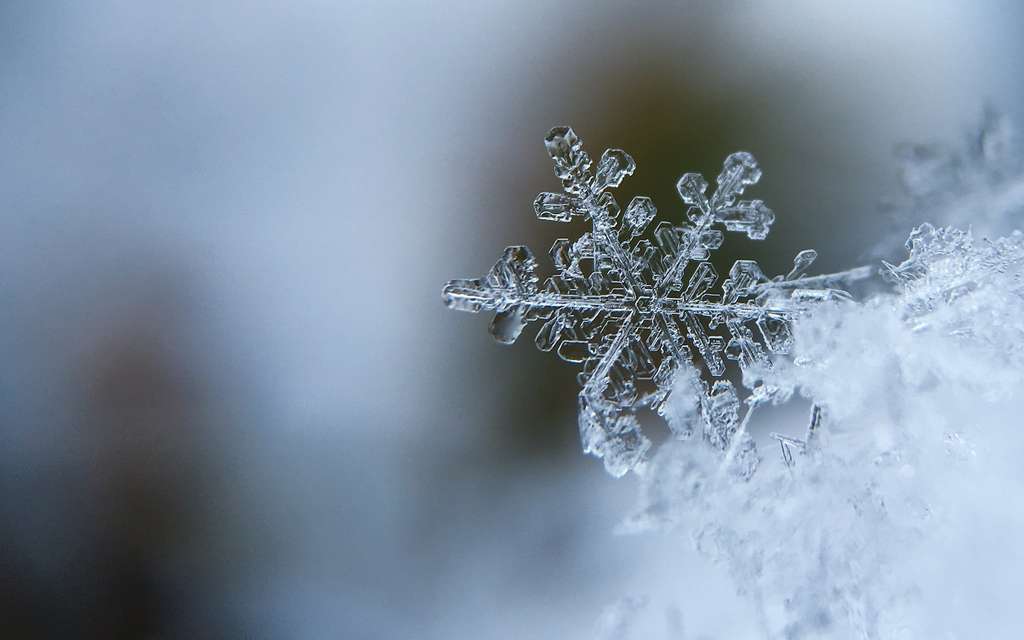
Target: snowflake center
(645,305)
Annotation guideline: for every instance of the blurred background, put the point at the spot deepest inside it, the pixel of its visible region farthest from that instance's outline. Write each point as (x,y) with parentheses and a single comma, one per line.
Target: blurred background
(233,405)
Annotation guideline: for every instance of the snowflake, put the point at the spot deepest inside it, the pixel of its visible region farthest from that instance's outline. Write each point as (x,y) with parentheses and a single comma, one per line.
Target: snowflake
(631,310)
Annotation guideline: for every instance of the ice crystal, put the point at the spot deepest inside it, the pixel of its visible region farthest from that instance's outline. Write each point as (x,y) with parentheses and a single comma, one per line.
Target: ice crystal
(949,283)
(952,283)
(632,311)
(979,183)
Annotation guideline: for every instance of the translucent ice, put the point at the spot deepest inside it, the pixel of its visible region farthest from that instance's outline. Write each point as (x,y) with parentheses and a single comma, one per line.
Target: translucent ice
(632,311)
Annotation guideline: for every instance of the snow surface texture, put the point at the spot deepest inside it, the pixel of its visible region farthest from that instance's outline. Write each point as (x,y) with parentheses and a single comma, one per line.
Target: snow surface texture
(629,309)
(899,517)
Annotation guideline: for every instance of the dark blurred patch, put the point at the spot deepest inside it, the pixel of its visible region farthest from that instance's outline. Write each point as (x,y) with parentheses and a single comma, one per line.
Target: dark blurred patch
(122,492)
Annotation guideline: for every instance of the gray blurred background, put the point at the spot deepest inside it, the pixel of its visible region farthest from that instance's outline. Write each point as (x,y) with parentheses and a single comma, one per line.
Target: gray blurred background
(233,405)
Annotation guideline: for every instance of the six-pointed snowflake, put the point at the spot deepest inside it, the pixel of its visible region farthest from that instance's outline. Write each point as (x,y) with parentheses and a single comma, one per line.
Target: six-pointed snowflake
(631,310)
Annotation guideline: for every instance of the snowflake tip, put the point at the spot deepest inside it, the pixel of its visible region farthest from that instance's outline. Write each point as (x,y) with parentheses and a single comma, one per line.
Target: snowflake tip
(566,151)
(614,166)
(739,171)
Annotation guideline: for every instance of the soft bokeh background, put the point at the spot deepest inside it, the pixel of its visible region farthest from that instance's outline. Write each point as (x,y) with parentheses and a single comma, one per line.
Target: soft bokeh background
(233,405)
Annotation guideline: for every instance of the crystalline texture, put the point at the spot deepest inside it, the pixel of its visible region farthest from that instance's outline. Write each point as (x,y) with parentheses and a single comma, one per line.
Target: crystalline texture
(633,311)
(947,270)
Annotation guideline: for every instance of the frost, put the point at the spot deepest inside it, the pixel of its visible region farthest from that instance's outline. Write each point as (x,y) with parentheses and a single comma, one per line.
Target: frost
(945,264)
(638,310)
(978,183)
(615,621)
(850,533)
